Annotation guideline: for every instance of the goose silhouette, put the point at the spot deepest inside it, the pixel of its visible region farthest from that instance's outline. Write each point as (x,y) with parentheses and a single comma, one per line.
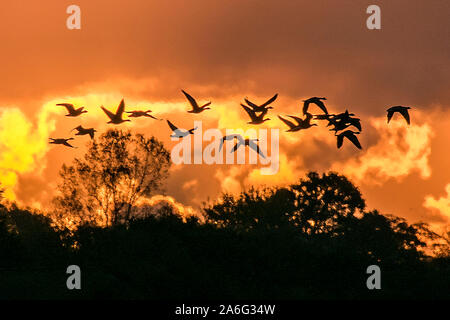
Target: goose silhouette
(400,109)
(248,142)
(350,135)
(177,133)
(317,101)
(116,118)
(301,123)
(256,119)
(83,131)
(262,107)
(62,141)
(72,112)
(195,107)
(139,113)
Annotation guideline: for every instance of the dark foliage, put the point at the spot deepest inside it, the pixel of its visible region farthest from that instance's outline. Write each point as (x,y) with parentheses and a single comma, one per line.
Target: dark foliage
(312,240)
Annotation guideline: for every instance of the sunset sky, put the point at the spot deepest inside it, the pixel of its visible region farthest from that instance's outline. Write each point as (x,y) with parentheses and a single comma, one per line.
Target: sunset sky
(224,51)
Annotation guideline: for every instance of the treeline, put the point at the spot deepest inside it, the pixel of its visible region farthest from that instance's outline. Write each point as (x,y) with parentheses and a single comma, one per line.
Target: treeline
(311,240)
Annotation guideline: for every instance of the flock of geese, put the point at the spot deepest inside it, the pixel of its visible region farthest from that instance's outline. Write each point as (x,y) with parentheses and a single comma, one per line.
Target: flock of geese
(341,123)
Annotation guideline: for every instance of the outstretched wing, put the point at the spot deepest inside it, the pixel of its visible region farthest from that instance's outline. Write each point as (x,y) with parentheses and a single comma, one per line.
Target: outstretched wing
(68,106)
(354,140)
(229,137)
(287,122)
(251,104)
(79,128)
(150,116)
(299,120)
(250,112)
(108,113)
(255,147)
(340,140)
(389,115)
(206,104)
(269,101)
(305,107)
(190,99)
(68,144)
(405,115)
(236,146)
(172,126)
(120,109)
(321,106)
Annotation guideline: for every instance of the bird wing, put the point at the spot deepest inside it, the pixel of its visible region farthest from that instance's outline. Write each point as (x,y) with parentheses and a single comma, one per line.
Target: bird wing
(79,128)
(321,106)
(299,120)
(250,112)
(120,108)
(305,106)
(68,106)
(251,104)
(255,147)
(206,104)
(354,139)
(405,115)
(236,146)
(228,137)
(269,101)
(108,113)
(340,140)
(287,122)
(150,116)
(191,100)
(68,144)
(172,126)
(390,113)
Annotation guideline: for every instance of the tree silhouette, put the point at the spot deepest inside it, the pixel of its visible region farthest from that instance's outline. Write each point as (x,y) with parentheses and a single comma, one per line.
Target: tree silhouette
(118,169)
(323,201)
(315,205)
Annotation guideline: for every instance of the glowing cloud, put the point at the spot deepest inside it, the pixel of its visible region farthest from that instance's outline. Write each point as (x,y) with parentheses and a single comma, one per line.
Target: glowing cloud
(440,205)
(400,150)
(22,145)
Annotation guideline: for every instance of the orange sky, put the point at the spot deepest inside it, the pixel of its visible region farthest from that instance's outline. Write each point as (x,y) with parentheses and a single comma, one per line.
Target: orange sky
(146,51)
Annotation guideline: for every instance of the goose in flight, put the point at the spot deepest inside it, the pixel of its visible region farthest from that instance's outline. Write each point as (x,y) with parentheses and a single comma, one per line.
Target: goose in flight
(116,118)
(61,141)
(350,135)
(72,112)
(195,107)
(261,107)
(138,113)
(250,143)
(177,133)
(256,119)
(400,109)
(317,101)
(301,123)
(83,131)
